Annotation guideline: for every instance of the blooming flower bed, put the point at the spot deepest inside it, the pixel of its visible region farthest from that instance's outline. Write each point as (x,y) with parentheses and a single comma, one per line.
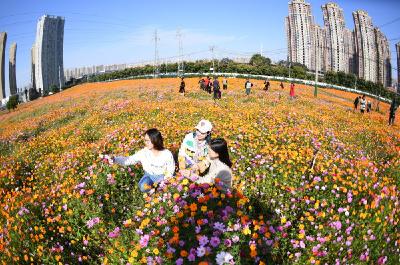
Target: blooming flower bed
(313,181)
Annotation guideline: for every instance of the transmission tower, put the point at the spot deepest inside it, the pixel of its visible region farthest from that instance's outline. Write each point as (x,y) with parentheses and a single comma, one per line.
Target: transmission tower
(212,48)
(180,53)
(156,66)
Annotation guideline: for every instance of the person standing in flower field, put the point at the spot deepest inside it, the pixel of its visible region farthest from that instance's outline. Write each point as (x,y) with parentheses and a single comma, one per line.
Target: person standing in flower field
(182,87)
(392,111)
(194,148)
(209,87)
(206,81)
(248,85)
(219,172)
(363,104)
(157,162)
(369,106)
(266,85)
(356,101)
(224,83)
(216,89)
(281,86)
(201,83)
(291,91)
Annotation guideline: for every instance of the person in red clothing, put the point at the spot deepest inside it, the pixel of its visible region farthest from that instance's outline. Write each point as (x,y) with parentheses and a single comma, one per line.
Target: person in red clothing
(291,90)
(206,81)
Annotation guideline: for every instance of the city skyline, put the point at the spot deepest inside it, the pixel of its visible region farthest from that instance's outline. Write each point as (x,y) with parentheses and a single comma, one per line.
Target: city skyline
(131,42)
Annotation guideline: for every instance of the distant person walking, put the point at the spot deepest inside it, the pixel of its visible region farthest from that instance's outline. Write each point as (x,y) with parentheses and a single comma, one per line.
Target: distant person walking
(291,91)
(225,83)
(209,85)
(266,85)
(392,111)
(356,102)
(201,83)
(216,89)
(182,87)
(281,86)
(248,85)
(363,104)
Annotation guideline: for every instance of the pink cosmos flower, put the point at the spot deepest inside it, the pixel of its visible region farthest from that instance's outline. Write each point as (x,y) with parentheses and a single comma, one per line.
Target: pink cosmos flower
(144,240)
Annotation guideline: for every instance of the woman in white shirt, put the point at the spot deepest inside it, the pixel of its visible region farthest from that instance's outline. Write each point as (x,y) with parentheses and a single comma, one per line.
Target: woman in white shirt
(219,172)
(157,162)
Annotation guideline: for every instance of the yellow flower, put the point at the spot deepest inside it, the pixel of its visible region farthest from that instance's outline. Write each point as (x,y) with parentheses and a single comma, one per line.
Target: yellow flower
(246,231)
(155,251)
(185,182)
(283,220)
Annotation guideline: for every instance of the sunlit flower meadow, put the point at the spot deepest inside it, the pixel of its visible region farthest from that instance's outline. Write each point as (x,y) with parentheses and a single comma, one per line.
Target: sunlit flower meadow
(314,182)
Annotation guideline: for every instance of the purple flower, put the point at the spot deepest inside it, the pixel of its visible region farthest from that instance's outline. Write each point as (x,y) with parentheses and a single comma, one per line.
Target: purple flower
(219,226)
(215,241)
(382,260)
(80,185)
(191,257)
(235,239)
(179,261)
(92,222)
(115,233)
(144,240)
(198,229)
(110,179)
(201,251)
(337,225)
(203,240)
(228,243)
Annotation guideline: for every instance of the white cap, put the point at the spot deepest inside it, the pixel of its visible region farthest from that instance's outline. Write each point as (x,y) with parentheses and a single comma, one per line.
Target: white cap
(204,126)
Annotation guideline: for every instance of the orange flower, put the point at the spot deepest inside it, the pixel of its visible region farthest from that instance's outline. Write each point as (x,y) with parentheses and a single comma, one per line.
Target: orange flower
(193,207)
(175,229)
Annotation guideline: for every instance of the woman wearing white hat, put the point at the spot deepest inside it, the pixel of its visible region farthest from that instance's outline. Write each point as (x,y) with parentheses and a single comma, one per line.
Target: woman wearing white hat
(194,148)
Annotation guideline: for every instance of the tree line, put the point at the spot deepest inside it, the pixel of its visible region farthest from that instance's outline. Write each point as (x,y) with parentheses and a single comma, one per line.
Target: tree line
(258,65)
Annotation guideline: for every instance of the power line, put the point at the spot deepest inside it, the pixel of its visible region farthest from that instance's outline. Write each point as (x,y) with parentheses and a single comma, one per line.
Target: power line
(390,22)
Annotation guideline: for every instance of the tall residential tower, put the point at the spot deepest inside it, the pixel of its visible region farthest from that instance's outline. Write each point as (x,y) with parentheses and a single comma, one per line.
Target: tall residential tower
(365,46)
(3,40)
(12,70)
(48,53)
(335,37)
(299,31)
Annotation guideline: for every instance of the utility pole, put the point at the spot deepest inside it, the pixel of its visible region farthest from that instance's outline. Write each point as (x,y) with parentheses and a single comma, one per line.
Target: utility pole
(156,39)
(261,49)
(180,53)
(212,48)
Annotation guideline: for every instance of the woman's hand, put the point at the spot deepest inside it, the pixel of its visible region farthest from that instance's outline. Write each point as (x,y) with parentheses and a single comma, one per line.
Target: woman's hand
(195,168)
(185,172)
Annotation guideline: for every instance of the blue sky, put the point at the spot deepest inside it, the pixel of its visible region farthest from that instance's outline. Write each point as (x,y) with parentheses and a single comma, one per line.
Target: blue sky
(107,32)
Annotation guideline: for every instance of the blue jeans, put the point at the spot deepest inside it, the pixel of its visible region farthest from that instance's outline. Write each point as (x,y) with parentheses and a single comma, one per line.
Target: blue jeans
(147,181)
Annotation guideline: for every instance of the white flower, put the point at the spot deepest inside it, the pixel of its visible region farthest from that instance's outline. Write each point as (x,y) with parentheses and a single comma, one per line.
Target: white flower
(224,258)
(201,251)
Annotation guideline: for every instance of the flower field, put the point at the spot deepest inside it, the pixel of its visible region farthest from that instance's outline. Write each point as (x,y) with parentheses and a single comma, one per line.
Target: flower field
(314,183)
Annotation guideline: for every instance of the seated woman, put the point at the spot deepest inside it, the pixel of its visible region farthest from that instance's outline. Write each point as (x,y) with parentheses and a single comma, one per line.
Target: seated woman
(157,162)
(194,149)
(219,172)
